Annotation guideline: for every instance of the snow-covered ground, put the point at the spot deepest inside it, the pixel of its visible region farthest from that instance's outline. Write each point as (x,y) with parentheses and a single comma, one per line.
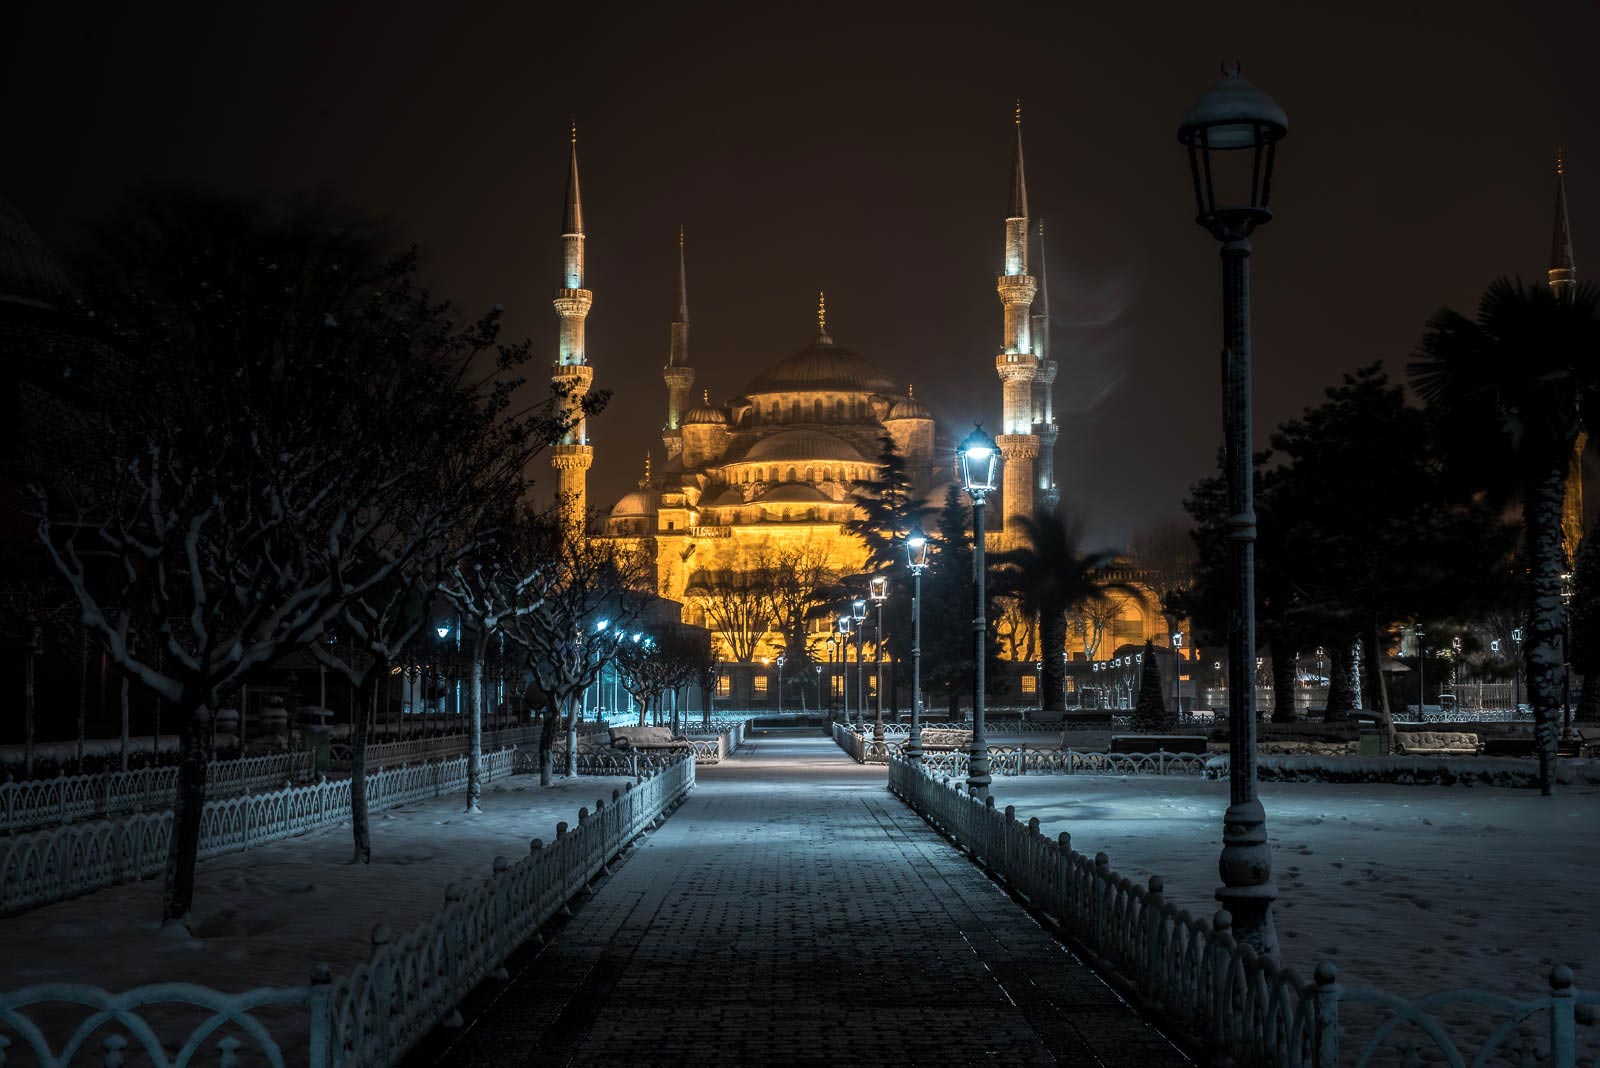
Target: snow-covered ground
(1413,889)
(266,916)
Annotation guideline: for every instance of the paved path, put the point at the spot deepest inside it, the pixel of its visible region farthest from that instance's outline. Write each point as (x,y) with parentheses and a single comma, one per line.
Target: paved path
(794,912)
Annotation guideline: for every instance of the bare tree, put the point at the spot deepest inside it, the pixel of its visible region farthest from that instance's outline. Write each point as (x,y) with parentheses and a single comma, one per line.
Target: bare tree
(738,603)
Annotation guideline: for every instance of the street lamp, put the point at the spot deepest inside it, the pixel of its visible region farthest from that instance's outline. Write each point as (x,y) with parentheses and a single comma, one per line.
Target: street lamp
(845,625)
(781,659)
(917,550)
(1232,117)
(1516,709)
(879,588)
(832,645)
(858,616)
(978,460)
(1177,672)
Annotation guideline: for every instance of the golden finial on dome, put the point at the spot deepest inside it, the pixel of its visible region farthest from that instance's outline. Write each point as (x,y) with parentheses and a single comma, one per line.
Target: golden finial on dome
(1560,166)
(574,131)
(911,391)
(822,312)
(1019,111)
(705,397)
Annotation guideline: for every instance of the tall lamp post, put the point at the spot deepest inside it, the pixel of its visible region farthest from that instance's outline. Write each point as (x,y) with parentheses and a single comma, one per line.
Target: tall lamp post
(832,645)
(781,658)
(1232,123)
(845,626)
(879,594)
(978,460)
(917,549)
(1566,657)
(1177,674)
(858,616)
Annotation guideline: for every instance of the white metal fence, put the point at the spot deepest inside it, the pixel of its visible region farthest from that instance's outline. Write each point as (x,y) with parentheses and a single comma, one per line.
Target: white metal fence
(1221,994)
(1020,759)
(371,1017)
(52,865)
(45,802)
(441,747)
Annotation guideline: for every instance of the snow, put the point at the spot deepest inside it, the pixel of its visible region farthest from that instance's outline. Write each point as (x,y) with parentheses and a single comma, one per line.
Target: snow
(264,917)
(1409,888)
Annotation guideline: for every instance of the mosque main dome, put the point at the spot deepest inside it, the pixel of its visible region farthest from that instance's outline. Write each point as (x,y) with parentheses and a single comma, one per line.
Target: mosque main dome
(822,366)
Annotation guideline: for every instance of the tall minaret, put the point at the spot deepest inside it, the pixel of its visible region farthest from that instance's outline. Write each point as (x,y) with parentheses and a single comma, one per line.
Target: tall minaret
(1044,405)
(1563,280)
(677,374)
(572,375)
(1017,365)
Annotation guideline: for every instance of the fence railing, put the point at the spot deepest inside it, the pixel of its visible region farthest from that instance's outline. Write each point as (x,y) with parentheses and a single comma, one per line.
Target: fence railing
(716,750)
(1220,994)
(1022,759)
(52,865)
(441,747)
(33,803)
(372,1016)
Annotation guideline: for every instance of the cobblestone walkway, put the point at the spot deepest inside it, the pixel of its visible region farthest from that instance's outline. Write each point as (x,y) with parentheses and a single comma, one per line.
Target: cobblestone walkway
(793,912)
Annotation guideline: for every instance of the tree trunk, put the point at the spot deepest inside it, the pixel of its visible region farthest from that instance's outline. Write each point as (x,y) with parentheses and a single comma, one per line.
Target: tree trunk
(27,713)
(125,740)
(475,742)
(1541,517)
(188,809)
(1377,700)
(360,828)
(573,708)
(1052,647)
(83,688)
(1283,710)
(1340,698)
(644,708)
(549,720)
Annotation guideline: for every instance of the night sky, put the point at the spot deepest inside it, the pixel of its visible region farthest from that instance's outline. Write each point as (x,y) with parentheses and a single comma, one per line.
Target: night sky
(807,148)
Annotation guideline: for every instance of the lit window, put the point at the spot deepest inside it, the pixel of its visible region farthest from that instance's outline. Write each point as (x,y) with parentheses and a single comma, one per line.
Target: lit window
(724,685)
(1030,684)
(761,685)
(838,686)
(872,685)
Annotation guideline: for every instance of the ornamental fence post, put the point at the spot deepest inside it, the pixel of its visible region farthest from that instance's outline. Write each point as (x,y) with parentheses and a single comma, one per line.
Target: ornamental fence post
(1563,1001)
(1325,1017)
(1221,959)
(319,1007)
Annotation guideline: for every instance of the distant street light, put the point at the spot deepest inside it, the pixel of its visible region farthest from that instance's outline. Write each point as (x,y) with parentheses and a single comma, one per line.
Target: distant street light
(1235,116)
(917,549)
(845,626)
(858,616)
(879,594)
(977,458)
(781,659)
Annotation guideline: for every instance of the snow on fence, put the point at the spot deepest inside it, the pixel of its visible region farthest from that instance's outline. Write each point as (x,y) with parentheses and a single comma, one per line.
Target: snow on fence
(716,750)
(1020,759)
(371,1017)
(52,865)
(1218,993)
(42,802)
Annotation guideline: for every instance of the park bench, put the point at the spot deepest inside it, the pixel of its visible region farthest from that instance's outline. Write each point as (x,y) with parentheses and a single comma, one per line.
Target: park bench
(644,738)
(939,740)
(1086,719)
(1437,743)
(1158,743)
(1525,746)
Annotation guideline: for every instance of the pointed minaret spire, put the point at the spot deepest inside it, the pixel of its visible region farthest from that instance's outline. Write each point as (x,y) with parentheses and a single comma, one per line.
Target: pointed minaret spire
(1041,306)
(677,374)
(572,222)
(822,319)
(644,483)
(1019,181)
(1563,271)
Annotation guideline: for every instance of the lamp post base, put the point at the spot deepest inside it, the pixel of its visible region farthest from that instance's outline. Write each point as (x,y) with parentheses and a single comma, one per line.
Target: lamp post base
(1246,869)
(978,779)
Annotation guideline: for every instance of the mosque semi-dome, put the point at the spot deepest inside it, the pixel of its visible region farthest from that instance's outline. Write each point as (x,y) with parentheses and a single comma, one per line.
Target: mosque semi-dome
(910,408)
(794,493)
(703,414)
(641,502)
(821,367)
(802,445)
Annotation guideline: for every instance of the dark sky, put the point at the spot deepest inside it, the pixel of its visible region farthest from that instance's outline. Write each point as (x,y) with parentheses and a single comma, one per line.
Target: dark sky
(862,150)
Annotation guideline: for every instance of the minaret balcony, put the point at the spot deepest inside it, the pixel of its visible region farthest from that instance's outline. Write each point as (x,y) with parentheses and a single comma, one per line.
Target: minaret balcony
(1017,366)
(1016,288)
(570,302)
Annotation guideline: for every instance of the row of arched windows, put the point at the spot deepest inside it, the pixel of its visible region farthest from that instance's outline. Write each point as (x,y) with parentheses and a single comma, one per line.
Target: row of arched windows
(795,473)
(795,411)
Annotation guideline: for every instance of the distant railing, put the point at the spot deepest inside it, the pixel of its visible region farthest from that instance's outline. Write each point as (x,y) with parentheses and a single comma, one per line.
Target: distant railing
(1023,759)
(44,866)
(34,803)
(1219,993)
(441,747)
(371,1017)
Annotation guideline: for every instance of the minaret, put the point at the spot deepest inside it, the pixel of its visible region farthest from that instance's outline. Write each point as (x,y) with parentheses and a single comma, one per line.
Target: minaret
(1044,404)
(1563,281)
(1017,365)
(572,376)
(677,374)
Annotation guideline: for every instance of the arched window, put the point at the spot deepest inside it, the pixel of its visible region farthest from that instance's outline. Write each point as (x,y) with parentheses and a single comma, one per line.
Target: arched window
(794,411)
(816,410)
(792,476)
(811,474)
(838,409)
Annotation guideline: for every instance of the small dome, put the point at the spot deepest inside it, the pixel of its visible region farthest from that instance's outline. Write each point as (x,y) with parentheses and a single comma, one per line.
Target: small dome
(910,408)
(822,366)
(641,502)
(794,493)
(802,445)
(704,413)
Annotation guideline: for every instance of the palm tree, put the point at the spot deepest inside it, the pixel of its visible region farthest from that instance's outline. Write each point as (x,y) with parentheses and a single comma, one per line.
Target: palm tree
(1523,372)
(1051,577)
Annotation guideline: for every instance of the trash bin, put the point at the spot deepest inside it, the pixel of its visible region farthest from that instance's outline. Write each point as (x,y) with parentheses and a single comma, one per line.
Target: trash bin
(318,741)
(1369,742)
